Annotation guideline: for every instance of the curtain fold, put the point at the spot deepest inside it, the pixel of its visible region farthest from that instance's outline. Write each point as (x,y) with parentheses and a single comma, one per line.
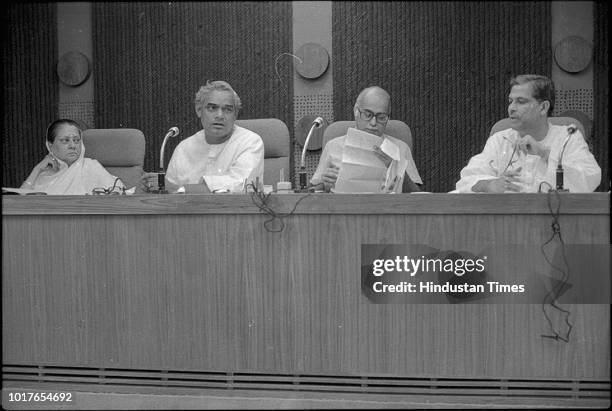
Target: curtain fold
(447,66)
(30,90)
(151,58)
(601,93)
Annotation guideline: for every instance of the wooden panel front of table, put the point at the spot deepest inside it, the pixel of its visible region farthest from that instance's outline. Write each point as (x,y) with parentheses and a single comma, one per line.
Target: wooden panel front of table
(196,283)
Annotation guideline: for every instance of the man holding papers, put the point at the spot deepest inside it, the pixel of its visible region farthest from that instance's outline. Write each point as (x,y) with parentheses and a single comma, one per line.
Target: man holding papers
(366,160)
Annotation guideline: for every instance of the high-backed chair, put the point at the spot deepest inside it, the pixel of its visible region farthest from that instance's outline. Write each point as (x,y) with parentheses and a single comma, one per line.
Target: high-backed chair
(275,136)
(505,123)
(120,150)
(395,128)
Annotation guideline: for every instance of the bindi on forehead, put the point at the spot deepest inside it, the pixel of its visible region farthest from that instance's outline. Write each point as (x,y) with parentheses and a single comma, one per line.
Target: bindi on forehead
(67,131)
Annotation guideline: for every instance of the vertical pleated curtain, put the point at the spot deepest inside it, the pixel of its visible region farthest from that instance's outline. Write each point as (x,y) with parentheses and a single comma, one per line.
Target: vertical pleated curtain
(151,58)
(447,66)
(29,86)
(601,92)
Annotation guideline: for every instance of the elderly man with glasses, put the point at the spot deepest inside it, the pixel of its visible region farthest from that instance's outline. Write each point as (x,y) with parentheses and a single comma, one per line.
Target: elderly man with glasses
(371,111)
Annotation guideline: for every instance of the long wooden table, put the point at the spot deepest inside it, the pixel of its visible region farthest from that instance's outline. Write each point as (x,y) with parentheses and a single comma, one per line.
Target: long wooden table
(183,292)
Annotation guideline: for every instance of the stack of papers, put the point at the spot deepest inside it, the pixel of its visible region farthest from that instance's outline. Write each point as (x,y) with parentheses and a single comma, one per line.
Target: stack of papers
(362,170)
(21,191)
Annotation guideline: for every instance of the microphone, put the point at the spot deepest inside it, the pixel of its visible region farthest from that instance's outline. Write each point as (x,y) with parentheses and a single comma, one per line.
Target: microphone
(173,132)
(318,122)
(571,129)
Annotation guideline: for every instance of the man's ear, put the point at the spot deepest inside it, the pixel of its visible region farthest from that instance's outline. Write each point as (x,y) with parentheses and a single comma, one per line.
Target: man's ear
(545,106)
(198,111)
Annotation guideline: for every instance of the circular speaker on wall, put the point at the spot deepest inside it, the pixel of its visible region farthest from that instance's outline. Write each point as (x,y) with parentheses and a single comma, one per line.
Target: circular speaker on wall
(73,68)
(573,54)
(315,60)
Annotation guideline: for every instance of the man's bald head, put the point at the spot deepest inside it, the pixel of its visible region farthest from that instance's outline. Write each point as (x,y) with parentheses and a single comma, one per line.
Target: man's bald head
(374,92)
(373,100)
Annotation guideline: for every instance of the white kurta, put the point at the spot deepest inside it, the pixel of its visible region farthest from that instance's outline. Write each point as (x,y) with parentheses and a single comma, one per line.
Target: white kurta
(580,169)
(226,166)
(332,155)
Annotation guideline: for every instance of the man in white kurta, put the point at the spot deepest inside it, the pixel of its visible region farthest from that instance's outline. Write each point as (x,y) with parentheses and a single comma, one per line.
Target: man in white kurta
(580,170)
(524,158)
(222,157)
(224,166)
(371,111)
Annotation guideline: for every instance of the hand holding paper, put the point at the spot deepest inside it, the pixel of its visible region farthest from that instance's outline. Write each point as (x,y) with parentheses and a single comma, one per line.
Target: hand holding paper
(329,177)
(362,170)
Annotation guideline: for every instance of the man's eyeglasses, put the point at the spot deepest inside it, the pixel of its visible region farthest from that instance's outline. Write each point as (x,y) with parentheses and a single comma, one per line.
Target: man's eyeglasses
(367,116)
(515,153)
(213,108)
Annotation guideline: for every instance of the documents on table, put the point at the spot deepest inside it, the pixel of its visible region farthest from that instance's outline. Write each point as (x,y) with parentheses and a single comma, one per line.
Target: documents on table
(21,191)
(361,169)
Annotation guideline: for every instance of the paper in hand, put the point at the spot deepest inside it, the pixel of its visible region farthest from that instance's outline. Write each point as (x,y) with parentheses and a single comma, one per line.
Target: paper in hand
(390,149)
(361,170)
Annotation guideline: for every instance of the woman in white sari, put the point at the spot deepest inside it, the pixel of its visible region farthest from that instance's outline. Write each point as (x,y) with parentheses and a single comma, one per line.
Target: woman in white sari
(65,170)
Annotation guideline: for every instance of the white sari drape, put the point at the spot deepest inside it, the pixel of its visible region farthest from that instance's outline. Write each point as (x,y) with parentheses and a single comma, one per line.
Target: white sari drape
(81,177)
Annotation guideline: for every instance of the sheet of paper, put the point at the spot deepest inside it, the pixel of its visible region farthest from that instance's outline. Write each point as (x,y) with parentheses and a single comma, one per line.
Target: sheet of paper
(391,149)
(21,191)
(361,170)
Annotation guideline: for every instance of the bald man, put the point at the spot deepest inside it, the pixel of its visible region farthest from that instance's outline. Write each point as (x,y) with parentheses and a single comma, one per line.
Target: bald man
(371,112)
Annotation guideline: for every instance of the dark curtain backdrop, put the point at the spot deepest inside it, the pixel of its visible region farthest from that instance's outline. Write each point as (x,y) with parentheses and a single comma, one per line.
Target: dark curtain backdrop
(601,93)
(447,66)
(29,86)
(151,58)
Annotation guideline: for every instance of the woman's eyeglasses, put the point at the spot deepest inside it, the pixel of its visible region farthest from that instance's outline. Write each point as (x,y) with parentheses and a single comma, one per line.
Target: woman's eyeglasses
(114,190)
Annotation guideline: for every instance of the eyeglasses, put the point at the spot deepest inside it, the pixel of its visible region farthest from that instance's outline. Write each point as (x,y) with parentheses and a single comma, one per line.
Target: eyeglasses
(114,190)
(212,108)
(512,160)
(367,115)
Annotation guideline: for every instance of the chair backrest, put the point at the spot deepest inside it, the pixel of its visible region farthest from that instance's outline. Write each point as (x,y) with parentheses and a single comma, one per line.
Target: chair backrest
(505,123)
(395,128)
(275,136)
(120,150)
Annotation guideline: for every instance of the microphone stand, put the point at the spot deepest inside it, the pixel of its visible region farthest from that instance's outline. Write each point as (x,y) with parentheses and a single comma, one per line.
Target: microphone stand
(161,176)
(318,122)
(559,174)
